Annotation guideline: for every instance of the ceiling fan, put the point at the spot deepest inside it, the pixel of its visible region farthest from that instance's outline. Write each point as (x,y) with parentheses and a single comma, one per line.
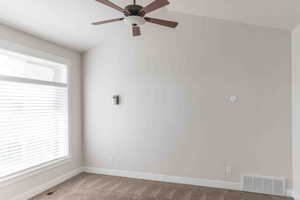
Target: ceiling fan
(134,15)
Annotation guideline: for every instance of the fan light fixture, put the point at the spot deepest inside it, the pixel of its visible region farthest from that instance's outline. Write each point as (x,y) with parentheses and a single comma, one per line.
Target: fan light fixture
(135,15)
(134,20)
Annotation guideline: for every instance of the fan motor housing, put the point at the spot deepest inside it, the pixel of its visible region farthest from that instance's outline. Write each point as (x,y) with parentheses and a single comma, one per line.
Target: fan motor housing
(135,10)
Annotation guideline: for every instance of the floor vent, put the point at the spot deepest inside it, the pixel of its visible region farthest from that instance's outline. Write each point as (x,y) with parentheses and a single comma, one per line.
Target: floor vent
(50,193)
(265,185)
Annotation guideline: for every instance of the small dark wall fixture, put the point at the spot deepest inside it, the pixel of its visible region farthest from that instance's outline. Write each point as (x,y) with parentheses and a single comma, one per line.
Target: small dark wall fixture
(116,99)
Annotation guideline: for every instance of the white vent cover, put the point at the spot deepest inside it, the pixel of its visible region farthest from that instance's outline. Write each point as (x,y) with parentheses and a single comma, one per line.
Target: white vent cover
(265,185)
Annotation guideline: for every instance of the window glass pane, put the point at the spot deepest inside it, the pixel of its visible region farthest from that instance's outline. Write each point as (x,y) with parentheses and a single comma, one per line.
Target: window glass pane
(16,65)
(33,114)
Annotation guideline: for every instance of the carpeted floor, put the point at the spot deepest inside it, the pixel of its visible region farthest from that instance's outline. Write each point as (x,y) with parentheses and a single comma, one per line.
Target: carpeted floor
(99,187)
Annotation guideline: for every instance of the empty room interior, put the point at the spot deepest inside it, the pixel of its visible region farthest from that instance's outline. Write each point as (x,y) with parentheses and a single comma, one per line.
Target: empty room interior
(149,100)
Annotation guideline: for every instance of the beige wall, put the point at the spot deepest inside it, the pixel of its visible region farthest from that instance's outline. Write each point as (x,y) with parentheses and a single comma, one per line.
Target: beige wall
(40,178)
(296,108)
(175,117)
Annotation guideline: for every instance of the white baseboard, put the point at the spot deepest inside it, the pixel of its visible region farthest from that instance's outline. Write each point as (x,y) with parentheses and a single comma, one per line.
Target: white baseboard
(165,178)
(39,189)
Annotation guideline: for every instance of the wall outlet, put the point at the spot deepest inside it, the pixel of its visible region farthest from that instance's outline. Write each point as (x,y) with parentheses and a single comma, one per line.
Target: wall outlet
(228,171)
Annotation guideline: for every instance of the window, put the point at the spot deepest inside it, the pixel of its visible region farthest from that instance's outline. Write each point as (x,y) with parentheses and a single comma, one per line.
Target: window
(33,113)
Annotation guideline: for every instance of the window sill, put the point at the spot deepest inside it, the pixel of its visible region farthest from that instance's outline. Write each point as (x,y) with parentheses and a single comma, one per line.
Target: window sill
(16,177)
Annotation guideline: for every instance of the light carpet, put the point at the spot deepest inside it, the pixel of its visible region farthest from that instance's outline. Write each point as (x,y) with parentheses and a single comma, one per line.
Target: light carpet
(100,187)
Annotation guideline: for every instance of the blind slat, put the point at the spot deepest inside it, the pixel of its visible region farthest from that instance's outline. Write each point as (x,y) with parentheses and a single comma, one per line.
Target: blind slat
(33,125)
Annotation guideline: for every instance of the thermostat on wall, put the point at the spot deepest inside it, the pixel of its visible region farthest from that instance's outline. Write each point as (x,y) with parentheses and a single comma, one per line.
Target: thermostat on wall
(233,99)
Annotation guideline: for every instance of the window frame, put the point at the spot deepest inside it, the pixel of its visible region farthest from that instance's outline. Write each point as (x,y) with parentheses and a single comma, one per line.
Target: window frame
(35,54)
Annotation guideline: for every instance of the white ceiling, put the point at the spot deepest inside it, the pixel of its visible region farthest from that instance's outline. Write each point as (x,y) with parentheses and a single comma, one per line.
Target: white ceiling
(282,14)
(67,22)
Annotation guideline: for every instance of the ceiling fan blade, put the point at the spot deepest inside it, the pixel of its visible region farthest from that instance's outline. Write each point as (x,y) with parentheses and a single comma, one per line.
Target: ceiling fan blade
(136,31)
(108,21)
(155,5)
(112,5)
(161,22)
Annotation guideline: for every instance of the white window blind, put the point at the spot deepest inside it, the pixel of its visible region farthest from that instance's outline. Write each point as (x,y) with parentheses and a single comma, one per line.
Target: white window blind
(33,113)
